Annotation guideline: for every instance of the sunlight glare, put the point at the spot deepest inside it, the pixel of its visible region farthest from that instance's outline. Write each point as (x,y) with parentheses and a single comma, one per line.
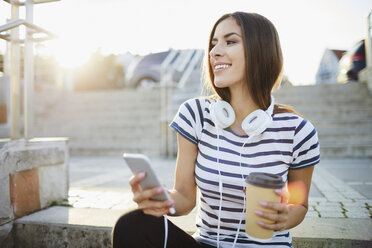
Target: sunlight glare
(69,54)
(297,192)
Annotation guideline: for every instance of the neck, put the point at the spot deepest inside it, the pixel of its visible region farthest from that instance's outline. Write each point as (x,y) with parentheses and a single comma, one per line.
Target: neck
(242,103)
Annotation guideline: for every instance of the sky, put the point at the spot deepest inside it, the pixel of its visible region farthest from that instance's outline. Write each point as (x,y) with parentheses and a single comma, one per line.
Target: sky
(306,27)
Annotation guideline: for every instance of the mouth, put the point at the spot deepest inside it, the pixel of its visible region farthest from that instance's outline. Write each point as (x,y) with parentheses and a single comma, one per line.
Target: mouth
(221,67)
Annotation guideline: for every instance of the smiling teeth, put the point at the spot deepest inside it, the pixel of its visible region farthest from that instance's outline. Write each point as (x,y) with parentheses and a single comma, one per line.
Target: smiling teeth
(221,67)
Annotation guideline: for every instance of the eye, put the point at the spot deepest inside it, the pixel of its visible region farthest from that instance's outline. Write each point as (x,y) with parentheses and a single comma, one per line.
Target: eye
(230,42)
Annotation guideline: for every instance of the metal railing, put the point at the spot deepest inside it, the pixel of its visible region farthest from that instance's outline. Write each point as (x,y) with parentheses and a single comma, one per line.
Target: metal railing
(10,33)
(184,62)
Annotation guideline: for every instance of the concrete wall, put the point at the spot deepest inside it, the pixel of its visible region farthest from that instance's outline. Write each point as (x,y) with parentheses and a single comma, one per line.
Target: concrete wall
(33,175)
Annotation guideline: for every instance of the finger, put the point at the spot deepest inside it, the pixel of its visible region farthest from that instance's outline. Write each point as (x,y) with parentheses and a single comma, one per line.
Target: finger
(147,194)
(274,227)
(280,207)
(285,195)
(278,192)
(149,204)
(276,218)
(135,180)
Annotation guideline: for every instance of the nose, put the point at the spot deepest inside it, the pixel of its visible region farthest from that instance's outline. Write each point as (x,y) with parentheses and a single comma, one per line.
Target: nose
(215,51)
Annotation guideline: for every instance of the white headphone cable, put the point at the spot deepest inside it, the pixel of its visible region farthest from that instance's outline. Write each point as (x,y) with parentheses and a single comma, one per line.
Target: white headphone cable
(165,230)
(244,199)
(219,189)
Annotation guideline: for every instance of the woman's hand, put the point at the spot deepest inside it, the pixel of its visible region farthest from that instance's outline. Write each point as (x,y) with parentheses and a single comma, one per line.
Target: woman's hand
(142,197)
(279,218)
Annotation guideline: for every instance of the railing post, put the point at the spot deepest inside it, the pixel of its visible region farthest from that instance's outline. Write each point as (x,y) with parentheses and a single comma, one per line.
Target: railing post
(163,126)
(13,56)
(170,147)
(15,76)
(28,92)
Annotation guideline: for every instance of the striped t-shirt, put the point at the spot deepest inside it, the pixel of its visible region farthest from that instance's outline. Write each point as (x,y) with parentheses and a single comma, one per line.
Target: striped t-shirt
(290,142)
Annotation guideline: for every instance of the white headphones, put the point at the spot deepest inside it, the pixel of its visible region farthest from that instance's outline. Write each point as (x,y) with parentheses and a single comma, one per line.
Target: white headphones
(255,123)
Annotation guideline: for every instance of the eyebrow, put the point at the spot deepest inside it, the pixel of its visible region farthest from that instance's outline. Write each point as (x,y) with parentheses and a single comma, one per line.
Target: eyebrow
(227,35)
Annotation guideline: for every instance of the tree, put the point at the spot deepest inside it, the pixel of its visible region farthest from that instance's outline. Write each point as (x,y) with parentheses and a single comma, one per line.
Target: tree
(99,72)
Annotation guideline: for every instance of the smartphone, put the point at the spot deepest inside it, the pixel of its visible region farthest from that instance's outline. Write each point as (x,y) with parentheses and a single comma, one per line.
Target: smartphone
(141,163)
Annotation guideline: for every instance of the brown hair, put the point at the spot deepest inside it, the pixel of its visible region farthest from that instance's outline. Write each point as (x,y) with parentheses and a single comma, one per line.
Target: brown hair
(264,60)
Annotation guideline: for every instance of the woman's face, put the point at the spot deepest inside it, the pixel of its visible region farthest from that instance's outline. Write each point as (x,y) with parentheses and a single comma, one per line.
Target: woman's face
(227,57)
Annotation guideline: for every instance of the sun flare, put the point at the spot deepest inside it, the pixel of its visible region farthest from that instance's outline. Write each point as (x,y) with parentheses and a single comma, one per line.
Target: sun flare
(69,54)
(297,192)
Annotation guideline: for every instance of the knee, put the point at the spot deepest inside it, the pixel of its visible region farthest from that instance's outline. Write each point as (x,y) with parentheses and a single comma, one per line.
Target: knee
(129,221)
(125,229)
(132,227)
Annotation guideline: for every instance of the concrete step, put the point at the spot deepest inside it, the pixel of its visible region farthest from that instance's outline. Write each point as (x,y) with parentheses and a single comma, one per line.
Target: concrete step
(92,117)
(88,134)
(317,102)
(114,147)
(72,227)
(344,138)
(345,131)
(342,122)
(117,133)
(347,109)
(316,95)
(136,141)
(353,89)
(342,114)
(111,151)
(98,100)
(104,123)
(107,106)
(350,149)
(102,94)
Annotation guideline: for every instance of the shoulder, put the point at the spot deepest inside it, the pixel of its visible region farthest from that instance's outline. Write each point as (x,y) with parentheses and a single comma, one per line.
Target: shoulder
(197,105)
(294,120)
(194,102)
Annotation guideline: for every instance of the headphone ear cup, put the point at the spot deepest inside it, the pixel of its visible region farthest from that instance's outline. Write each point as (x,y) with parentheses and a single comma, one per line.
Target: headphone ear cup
(256,122)
(222,114)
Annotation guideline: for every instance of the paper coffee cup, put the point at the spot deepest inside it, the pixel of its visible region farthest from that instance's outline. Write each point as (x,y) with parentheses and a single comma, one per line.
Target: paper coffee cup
(260,187)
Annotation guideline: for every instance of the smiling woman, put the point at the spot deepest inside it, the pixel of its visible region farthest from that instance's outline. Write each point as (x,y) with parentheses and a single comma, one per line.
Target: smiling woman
(216,153)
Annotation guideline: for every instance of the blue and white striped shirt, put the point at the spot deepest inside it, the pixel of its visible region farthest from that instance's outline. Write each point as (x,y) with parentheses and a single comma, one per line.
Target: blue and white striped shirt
(290,142)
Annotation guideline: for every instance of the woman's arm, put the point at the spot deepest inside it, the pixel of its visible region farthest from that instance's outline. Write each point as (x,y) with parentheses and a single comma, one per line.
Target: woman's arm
(299,182)
(184,190)
(292,213)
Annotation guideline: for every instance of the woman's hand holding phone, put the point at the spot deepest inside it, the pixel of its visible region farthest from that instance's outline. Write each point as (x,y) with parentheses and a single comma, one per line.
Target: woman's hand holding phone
(142,197)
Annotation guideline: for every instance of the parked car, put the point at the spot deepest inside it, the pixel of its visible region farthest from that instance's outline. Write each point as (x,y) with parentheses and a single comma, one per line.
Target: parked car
(351,63)
(147,70)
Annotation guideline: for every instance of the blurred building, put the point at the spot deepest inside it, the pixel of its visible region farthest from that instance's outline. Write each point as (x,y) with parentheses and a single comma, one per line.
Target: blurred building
(328,67)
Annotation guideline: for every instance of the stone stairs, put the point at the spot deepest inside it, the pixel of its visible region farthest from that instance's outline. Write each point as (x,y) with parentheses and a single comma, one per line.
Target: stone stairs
(106,122)
(113,122)
(342,115)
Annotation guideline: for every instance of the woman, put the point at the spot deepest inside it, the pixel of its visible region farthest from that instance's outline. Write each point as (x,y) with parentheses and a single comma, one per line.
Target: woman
(244,64)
